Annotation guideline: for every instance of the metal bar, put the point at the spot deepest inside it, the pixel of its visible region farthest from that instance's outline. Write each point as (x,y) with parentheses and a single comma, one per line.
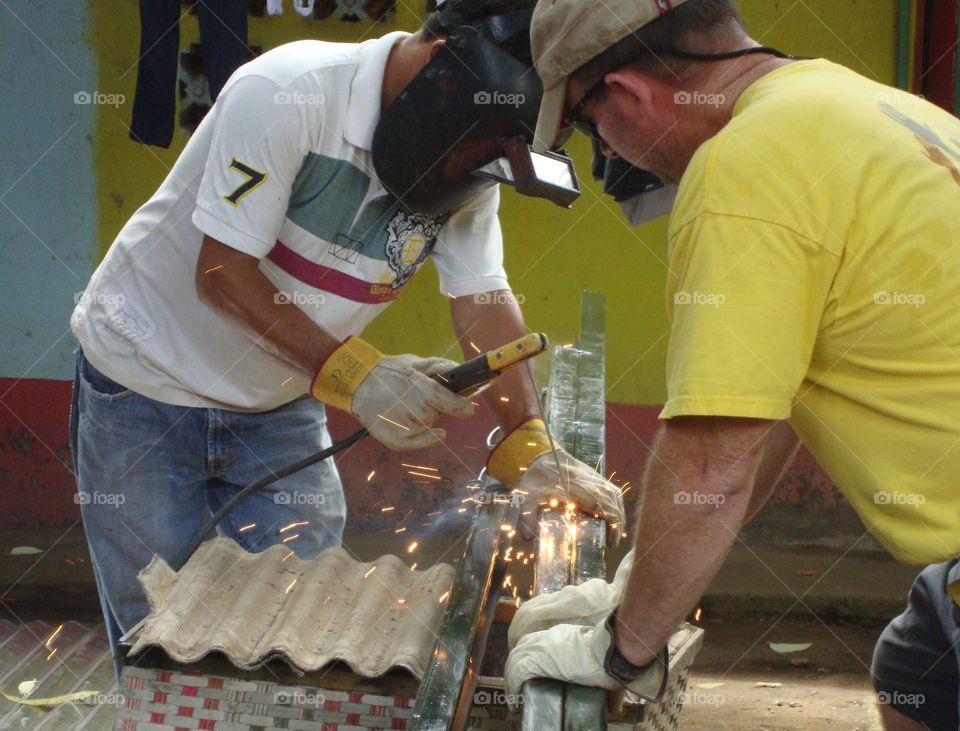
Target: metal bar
(585,709)
(576,416)
(446,693)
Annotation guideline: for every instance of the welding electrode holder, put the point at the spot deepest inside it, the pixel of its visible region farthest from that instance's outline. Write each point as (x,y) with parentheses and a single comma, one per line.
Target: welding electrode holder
(464,379)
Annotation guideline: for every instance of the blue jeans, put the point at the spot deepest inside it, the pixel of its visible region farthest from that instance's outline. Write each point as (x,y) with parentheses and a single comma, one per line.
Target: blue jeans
(149,474)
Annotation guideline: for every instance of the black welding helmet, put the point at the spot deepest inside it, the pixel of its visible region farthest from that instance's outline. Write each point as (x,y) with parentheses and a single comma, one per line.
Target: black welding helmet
(456,116)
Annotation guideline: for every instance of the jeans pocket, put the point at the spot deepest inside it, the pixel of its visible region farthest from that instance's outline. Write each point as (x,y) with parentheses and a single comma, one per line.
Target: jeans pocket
(100,386)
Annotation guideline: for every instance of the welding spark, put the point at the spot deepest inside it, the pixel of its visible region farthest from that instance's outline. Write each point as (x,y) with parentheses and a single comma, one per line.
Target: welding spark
(698,614)
(52,654)
(443,597)
(290,588)
(399,530)
(287,556)
(554,502)
(407,428)
(419,467)
(294,537)
(504,398)
(461,510)
(293,525)
(424,474)
(213,269)
(505,526)
(436,513)
(372,569)
(413,567)
(286,382)
(412,547)
(53,636)
(401,600)
(247,527)
(387,509)
(370,476)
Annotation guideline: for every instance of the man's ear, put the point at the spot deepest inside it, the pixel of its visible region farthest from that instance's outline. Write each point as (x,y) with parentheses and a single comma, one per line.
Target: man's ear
(634,84)
(435,47)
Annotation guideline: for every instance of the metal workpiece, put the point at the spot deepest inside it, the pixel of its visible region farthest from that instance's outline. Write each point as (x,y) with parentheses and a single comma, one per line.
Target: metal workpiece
(551,571)
(571,548)
(446,693)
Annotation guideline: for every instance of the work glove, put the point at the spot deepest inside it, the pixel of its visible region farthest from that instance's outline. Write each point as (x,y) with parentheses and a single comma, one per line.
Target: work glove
(584,604)
(524,461)
(576,654)
(393,396)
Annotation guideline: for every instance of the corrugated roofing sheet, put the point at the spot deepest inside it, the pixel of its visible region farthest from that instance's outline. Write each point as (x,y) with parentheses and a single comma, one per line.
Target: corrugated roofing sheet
(254,607)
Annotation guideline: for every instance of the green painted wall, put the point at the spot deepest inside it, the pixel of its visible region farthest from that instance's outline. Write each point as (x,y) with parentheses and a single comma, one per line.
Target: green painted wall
(551,254)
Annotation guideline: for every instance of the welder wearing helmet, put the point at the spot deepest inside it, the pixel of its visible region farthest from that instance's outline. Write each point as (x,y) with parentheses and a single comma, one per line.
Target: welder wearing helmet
(319,183)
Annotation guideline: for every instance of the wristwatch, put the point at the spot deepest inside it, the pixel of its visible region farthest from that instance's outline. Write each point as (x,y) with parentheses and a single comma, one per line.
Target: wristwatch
(624,671)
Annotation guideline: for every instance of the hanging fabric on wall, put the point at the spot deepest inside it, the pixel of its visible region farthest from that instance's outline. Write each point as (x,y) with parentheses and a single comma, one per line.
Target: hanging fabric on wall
(303,7)
(223,39)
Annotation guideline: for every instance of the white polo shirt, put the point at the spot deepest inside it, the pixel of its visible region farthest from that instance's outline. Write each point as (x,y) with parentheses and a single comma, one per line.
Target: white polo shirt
(279,169)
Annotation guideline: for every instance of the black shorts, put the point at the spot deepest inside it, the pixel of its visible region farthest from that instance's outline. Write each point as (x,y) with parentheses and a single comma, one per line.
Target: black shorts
(916,663)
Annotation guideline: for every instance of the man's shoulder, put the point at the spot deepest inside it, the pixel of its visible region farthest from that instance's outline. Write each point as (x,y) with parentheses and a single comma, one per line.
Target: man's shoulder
(290,62)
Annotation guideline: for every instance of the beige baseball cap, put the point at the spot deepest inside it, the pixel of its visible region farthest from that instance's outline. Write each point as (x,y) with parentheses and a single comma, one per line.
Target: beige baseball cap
(566,34)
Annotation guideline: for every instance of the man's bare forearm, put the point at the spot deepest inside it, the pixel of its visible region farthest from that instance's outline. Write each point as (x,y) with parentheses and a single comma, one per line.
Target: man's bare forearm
(231,283)
(694,500)
(487,322)
(781,449)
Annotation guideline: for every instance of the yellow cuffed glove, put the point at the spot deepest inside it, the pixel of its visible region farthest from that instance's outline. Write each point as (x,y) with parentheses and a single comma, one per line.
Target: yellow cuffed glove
(393,396)
(525,461)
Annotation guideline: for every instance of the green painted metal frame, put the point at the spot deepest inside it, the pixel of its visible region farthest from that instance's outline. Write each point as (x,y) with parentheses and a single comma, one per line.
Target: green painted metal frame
(446,693)
(577,418)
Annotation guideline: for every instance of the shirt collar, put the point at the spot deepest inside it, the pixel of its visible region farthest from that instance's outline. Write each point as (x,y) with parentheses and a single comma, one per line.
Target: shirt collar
(363,109)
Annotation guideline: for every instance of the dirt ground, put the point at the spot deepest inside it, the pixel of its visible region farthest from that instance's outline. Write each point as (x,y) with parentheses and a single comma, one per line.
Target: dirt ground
(824,688)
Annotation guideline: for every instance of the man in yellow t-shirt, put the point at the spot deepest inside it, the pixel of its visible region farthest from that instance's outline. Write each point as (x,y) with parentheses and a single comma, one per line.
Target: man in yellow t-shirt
(813,289)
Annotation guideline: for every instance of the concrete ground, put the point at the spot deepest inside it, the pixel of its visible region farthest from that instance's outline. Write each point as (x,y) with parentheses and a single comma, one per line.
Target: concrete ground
(836,601)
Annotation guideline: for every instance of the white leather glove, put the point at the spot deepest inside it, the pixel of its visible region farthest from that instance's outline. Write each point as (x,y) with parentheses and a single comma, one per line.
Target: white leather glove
(525,461)
(391,395)
(575,654)
(399,391)
(585,604)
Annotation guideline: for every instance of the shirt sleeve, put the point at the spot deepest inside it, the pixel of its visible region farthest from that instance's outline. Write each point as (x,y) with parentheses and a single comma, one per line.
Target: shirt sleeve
(469,250)
(746,298)
(258,146)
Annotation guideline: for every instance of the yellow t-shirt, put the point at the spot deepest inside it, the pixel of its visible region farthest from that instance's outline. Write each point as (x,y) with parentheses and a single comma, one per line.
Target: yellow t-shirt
(815,276)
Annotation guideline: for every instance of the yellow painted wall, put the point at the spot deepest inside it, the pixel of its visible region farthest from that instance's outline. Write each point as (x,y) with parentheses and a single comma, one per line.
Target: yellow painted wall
(551,254)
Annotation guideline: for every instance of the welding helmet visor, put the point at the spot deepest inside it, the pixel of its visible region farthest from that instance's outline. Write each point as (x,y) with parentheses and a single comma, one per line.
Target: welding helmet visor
(456,115)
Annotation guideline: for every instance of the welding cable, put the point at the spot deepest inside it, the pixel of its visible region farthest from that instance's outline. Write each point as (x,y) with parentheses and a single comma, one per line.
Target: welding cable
(259,484)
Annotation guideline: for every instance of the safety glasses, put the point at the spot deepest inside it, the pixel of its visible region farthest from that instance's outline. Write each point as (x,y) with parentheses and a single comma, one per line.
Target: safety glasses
(573,118)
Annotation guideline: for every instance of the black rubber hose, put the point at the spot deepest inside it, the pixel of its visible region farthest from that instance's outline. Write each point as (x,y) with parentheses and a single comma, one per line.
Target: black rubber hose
(253,487)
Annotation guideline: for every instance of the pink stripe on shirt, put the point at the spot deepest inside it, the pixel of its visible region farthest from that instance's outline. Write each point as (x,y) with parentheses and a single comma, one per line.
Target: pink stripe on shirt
(330,280)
